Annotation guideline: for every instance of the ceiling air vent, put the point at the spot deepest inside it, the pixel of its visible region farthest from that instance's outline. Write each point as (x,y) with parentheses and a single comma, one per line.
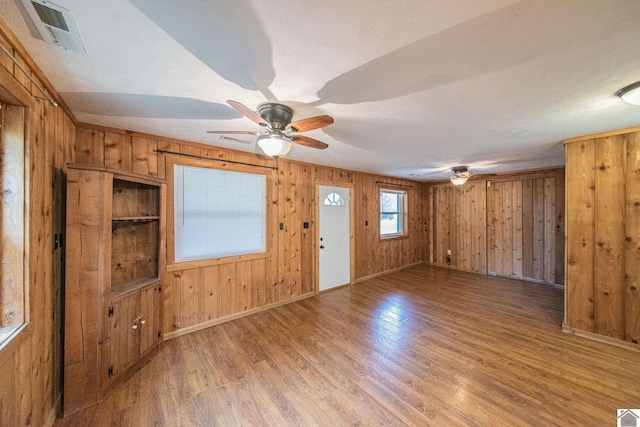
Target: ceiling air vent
(55,24)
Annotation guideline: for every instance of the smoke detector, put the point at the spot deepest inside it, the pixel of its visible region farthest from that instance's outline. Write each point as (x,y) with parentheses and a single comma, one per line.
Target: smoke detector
(55,24)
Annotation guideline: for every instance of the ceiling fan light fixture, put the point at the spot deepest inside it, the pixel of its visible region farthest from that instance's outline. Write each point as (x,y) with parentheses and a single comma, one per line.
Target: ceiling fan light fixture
(630,94)
(458,180)
(460,175)
(274,145)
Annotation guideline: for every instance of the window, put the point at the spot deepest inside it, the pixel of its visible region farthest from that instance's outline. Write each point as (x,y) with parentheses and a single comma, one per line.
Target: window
(218,213)
(392,213)
(13,224)
(334,199)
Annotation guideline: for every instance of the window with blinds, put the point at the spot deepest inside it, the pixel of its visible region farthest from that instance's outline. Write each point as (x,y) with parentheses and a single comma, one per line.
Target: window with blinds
(218,213)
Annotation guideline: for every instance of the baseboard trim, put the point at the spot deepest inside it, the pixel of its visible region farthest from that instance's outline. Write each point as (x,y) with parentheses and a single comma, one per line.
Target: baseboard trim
(600,338)
(382,273)
(218,321)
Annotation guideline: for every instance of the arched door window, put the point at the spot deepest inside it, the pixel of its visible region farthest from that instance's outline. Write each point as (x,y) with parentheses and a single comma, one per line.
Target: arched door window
(334,199)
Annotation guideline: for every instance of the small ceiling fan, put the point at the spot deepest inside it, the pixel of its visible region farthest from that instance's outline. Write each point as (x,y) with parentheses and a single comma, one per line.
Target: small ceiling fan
(279,132)
(460,175)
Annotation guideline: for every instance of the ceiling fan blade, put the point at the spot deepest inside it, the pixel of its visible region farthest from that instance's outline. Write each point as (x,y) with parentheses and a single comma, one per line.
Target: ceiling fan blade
(248,113)
(311,123)
(228,138)
(308,142)
(233,132)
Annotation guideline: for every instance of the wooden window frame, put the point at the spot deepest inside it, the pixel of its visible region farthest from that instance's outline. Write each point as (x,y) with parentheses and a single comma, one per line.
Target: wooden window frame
(403,212)
(16,106)
(172,264)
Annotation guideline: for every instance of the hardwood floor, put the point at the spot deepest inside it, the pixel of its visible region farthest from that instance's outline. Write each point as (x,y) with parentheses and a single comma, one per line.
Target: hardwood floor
(423,346)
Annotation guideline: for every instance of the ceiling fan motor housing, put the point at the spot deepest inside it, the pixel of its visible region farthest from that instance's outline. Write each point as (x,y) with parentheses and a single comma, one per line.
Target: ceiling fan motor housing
(278,115)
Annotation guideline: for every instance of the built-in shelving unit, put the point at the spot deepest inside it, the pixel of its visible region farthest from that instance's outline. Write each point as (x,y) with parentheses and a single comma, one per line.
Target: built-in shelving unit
(113,294)
(135,232)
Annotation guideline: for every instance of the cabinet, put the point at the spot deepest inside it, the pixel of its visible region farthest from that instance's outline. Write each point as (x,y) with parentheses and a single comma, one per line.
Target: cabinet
(134,329)
(115,252)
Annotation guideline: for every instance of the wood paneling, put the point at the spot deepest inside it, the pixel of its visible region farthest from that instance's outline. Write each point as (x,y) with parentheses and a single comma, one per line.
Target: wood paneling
(84,300)
(30,365)
(374,255)
(459,225)
(144,159)
(201,294)
(90,147)
(523,224)
(603,237)
(580,186)
(118,152)
(632,239)
(609,237)
(508,225)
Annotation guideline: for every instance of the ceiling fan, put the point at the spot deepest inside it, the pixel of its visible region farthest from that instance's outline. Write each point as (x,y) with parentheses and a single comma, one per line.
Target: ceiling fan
(279,131)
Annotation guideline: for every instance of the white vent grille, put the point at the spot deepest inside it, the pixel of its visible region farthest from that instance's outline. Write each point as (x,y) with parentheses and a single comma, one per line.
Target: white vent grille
(51,17)
(55,24)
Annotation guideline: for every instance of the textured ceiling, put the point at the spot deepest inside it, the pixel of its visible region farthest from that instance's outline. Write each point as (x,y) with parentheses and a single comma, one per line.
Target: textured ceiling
(415,86)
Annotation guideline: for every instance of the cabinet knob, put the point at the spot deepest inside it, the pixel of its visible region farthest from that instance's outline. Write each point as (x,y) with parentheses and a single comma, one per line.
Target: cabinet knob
(135,326)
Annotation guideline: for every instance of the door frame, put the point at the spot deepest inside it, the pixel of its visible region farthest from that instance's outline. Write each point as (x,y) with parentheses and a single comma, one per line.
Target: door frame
(316,246)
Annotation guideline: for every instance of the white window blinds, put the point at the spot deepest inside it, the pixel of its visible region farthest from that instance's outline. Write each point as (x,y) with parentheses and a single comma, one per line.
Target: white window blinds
(218,213)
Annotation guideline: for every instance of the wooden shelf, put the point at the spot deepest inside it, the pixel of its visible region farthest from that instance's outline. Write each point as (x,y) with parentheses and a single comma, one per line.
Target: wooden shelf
(135,218)
(122,288)
(123,218)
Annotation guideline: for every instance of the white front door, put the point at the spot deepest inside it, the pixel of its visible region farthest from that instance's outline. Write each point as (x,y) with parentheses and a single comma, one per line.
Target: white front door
(334,244)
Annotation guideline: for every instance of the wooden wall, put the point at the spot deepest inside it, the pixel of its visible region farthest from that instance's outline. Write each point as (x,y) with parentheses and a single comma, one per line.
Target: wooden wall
(525,226)
(458,224)
(373,255)
(198,295)
(602,295)
(511,225)
(30,365)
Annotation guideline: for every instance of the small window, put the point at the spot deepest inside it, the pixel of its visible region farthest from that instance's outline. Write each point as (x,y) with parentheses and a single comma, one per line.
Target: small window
(334,199)
(218,213)
(392,213)
(13,223)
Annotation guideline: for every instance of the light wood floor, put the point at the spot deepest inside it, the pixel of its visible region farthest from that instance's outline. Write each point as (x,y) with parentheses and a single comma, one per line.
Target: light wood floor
(424,346)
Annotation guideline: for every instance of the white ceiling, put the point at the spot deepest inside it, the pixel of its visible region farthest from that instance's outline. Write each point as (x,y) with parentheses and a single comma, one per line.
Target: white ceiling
(415,86)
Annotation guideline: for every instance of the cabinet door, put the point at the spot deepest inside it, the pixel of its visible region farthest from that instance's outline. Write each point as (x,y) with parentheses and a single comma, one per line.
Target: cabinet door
(150,329)
(125,338)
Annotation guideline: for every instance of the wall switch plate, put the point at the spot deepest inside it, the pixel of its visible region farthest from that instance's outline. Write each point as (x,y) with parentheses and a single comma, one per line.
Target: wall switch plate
(448,251)
(305,225)
(282,226)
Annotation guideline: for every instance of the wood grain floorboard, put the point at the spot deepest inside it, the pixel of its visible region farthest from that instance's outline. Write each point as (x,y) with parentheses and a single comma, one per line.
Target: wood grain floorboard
(421,347)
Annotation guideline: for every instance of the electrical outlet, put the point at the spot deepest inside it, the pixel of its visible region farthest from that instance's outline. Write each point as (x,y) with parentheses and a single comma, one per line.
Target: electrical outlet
(448,251)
